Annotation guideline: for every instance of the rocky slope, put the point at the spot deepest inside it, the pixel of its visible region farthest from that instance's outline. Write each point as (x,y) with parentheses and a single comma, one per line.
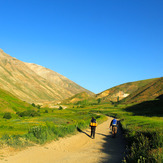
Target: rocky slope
(122,91)
(34,83)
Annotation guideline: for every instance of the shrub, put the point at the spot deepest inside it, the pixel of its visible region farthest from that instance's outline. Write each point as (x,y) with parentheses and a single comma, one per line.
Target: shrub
(7,115)
(145,147)
(60,108)
(33,105)
(15,141)
(38,106)
(99,100)
(36,131)
(46,111)
(29,113)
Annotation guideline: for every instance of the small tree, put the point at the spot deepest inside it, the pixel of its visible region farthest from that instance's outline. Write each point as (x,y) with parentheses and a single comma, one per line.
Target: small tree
(99,100)
(112,102)
(7,115)
(38,106)
(33,105)
(46,111)
(118,99)
(60,108)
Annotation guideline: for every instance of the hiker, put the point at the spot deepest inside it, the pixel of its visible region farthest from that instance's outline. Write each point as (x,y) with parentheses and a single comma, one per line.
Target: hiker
(114,127)
(93,125)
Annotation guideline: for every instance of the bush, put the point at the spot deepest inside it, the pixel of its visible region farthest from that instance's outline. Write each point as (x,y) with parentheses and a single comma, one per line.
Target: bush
(60,108)
(46,111)
(42,134)
(33,105)
(36,131)
(7,115)
(145,147)
(38,106)
(15,141)
(29,113)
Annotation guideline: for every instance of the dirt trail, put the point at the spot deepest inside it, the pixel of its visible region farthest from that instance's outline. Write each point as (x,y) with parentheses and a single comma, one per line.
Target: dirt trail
(78,148)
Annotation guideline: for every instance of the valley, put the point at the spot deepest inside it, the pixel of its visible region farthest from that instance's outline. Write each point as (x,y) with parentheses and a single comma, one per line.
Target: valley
(39,106)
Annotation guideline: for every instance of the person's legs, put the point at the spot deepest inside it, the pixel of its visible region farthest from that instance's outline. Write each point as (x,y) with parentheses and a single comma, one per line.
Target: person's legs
(94,129)
(91,131)
(114,130)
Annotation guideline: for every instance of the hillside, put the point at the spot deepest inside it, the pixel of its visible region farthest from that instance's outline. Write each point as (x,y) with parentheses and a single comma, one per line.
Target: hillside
(63,84)
(78,97)
(34,83)
(147,92)
(10,103)
(122,91)
(137,91)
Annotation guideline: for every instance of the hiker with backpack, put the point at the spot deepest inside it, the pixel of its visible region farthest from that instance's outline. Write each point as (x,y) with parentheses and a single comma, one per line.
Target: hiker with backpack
(114,127)
(93,125)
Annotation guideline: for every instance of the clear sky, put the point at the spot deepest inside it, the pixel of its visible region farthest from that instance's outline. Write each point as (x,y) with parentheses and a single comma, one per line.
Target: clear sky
(96,43)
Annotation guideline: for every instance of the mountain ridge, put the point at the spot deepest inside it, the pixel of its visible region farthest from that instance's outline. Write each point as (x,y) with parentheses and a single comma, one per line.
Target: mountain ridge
(122,91)
(25,83)
(131,92)
(147,92)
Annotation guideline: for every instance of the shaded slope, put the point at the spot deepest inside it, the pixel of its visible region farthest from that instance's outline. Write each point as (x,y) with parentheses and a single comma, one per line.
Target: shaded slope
(147,92)
(148,108)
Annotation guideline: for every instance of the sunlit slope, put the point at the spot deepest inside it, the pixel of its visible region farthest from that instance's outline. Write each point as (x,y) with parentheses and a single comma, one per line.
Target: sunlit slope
(10,103)
(121,91)
(63,84)
(29,85)
(147,92)
(79,97)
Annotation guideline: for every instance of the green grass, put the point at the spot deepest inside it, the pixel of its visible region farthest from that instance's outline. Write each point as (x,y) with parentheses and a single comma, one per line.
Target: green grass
(46,127)
(9,103)
(143,132)
(142,125)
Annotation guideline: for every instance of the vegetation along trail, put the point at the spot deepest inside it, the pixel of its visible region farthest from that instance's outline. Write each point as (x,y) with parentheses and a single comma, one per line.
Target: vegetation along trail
(77,148)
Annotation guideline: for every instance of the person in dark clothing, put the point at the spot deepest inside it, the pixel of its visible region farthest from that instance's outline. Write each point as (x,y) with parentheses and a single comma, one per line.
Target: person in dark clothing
(93,125)
(114,127)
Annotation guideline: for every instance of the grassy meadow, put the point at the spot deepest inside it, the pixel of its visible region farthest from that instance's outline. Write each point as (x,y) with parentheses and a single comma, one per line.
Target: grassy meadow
(142,126)
(49,124)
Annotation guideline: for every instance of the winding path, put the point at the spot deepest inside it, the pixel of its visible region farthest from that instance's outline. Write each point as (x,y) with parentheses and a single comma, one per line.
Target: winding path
(78,148)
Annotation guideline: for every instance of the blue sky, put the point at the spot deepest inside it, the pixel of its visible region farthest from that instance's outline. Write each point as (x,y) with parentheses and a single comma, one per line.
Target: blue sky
(96,43)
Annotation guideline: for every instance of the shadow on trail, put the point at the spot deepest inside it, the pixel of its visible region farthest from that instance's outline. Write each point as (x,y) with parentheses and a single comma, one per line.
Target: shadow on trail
(114,147)
(78,129)
(101,134)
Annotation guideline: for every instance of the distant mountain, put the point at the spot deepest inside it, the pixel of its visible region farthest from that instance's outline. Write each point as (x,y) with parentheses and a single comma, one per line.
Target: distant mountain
(122,91)
(64,86)
(34,83)
(132,92)
(150,91)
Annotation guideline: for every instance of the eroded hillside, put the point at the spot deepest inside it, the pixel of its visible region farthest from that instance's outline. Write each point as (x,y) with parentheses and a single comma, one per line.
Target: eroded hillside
(34,83)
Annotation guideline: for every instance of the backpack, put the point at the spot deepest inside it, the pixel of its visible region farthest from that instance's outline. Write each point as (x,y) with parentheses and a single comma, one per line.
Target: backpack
(114,122)
(93,122)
